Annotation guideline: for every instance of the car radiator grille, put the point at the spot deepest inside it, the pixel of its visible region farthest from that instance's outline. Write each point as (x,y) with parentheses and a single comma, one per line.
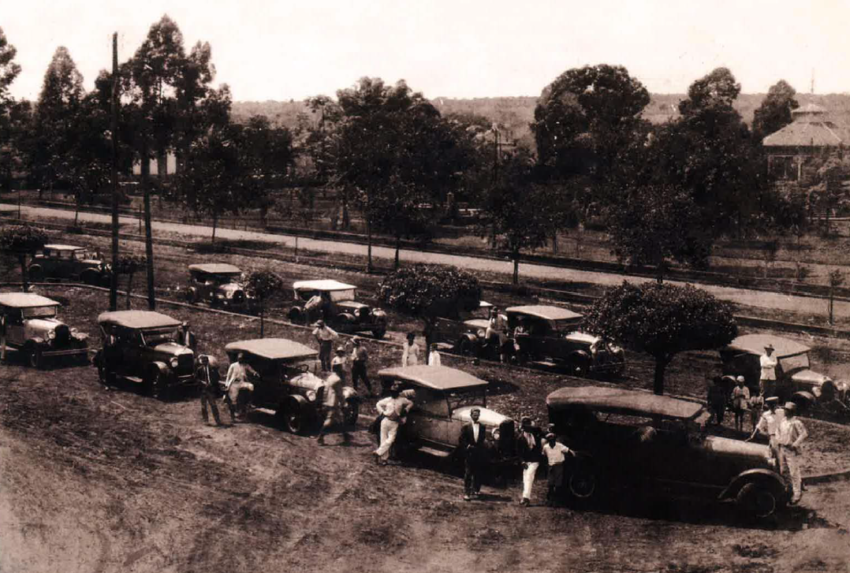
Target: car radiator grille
(185,364)
(506,437)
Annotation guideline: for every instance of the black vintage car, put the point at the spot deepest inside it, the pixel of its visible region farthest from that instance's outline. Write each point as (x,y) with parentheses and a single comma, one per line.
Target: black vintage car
(70,263)
(636,441)
(337,306)
(288,383)
(552,335)
(219,285)
(146,348)
(30,325)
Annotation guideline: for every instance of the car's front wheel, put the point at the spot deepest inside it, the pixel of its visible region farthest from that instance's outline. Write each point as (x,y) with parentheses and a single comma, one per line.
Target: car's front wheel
(36,274)
(465,347)
(295,418)
(296,316)
(35,357)
(379,333)
(154,383)
(351,413)
(759,500)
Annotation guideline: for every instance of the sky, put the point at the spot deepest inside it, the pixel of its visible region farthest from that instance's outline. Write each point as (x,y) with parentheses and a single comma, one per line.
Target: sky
(292,49)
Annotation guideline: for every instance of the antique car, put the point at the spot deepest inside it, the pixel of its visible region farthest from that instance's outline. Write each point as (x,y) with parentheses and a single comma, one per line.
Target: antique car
(795,381)
(146,348)
(338,306)
(552,335)
(443,399)
(466,332)
(71,263)
(626,439)
(31,327)
(219,285)
(288,383)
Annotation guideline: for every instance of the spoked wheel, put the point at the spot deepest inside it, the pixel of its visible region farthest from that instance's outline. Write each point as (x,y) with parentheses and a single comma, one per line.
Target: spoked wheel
(759,501)
(295,418)
(583,483)
(379,333)
(351,413)
(36,359)
(154,384)
(465,347)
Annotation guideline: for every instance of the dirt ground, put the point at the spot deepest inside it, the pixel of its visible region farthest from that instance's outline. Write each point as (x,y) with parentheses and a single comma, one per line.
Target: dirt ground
(101,480)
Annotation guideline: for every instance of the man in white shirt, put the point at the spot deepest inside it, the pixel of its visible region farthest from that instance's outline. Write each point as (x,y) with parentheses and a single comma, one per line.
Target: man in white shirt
(338,364)
(768,425)
(791,435)
(434,358)
(471,444)
(767,378)
(410,351)
(325,336)
(555,453)
(237,380)
(333,405)
(394,410)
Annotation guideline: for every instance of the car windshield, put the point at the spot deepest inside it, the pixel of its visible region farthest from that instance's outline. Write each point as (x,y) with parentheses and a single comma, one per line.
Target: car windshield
(83,255)
(223,278)
(795,362)
(340,295)
(40,312)
(467,397)
(154,336)
(301,366)
(567,325)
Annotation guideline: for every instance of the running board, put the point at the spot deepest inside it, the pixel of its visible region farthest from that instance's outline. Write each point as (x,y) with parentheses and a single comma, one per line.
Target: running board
(435,452)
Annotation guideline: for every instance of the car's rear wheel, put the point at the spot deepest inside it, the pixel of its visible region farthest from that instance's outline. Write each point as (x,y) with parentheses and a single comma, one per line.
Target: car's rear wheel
(583,482)
(759,500)
(36,274)
(90,278)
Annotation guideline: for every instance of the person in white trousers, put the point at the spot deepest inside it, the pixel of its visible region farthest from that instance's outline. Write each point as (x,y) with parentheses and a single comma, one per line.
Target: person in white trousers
(394,410)
(792,433)
(529,447)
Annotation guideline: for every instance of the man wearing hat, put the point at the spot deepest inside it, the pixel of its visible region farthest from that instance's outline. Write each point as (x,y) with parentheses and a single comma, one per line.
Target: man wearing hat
(333,402)
(394,409)
(767,378)
(768,425)
(791,434)
(359,360)
(530,453)
(325,336)
(338,363)
(555,453)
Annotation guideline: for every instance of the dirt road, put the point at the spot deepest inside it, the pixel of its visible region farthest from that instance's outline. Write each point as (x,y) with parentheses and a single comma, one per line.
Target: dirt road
(741,296)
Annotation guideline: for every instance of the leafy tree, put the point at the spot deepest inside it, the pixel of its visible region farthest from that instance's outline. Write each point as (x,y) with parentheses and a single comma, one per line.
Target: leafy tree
(20,241)
(774,113)
(662,320)
(585,117)
(263,285)
(269,155)
(9,70)
(216,179)
(429,292)
(519,213)
(16,132)
(653,224)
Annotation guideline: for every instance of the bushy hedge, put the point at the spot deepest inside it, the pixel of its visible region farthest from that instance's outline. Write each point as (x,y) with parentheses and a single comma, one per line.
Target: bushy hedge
(427,290)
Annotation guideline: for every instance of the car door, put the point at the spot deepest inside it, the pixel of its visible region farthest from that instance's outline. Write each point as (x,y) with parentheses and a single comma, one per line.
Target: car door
(15,327)
(428,421)
(132,353)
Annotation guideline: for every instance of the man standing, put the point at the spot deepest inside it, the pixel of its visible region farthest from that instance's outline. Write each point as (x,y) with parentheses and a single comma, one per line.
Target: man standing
(333,404)
(325,336)
(410,351)
(472,446)
(359,360)
(768,425)
(338,364)
(530,453)
(188,338)
(555,453)
(394,410)
(434,358)
(792,433)
(237,380)
(209,391)
(767,378)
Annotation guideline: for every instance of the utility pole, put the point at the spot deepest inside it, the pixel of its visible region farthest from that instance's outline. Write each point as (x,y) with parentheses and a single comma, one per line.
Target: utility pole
(113,284)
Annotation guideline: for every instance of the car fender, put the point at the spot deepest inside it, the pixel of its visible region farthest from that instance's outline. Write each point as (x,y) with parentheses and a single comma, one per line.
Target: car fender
(579,356)
(350,394)
(345,318)
(161,366)
(757,474)
(803,399)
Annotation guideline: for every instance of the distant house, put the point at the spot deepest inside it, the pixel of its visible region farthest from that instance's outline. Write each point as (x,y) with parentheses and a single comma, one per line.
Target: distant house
(167,167)
(810,134)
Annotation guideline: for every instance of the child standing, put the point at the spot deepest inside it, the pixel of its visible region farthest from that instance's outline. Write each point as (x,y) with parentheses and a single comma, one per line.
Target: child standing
(740,402)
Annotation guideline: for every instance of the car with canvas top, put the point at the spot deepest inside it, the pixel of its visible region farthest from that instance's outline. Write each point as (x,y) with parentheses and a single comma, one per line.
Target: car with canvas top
(336,303)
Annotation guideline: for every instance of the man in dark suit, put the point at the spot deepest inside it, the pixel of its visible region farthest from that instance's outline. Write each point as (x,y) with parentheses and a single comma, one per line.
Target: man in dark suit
(472,446)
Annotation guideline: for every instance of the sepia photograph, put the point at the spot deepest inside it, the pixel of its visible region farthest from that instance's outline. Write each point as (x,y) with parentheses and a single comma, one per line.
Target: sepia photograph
(375,286)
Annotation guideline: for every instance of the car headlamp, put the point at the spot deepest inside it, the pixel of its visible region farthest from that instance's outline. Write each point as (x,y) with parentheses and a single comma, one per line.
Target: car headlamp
(842,386)
(173,362)
(311,395)
(51,334)
(496,434)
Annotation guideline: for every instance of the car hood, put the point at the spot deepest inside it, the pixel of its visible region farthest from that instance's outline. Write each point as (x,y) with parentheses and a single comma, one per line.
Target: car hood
(172,349)
(477,323)
(308,381)
(488,417)
(93,262)
(809,377)
(736,448)
(230,287)
(352,304)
